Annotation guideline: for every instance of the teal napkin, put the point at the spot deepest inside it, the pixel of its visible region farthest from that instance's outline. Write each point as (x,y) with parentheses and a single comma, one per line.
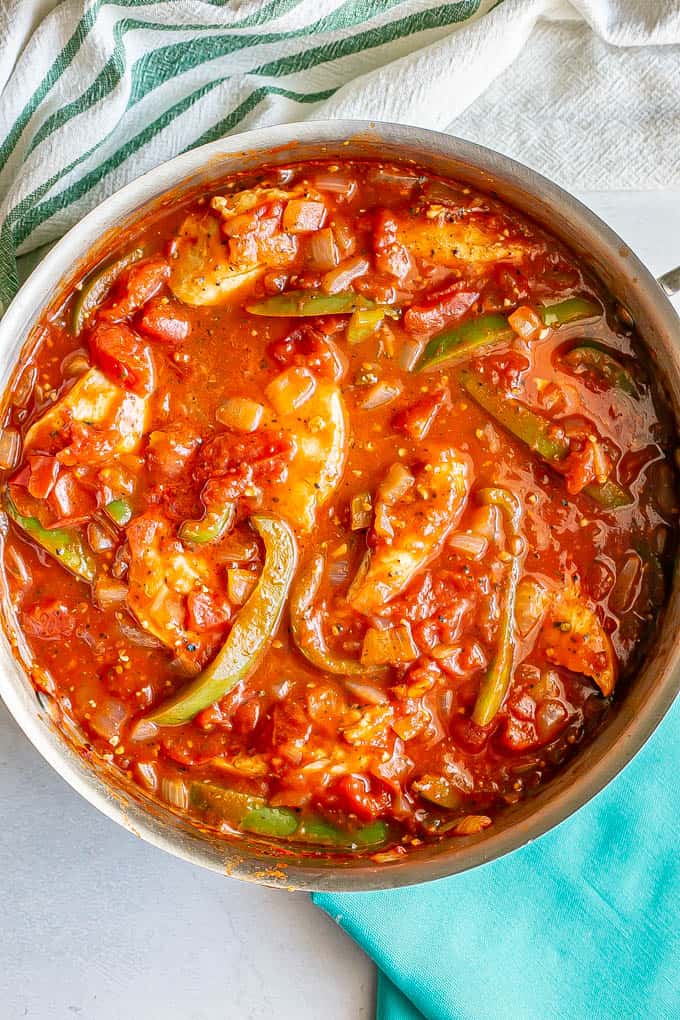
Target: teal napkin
(583,924)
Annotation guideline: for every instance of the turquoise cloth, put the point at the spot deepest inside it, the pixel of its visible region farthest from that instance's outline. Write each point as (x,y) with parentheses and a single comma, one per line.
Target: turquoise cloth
(583,924)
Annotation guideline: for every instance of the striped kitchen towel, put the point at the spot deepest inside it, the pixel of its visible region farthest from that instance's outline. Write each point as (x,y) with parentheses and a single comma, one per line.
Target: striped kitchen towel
(95,92)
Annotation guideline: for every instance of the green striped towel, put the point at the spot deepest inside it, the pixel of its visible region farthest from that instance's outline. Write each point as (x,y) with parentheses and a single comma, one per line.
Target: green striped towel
(97,92)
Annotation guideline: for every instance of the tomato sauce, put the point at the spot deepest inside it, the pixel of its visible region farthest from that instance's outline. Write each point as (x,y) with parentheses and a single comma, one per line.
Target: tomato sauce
(340,506)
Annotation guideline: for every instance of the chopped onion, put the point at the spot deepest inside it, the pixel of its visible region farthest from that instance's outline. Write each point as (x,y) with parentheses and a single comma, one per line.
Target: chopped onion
(23,387)
(322,250)
(109,592)
(409,354)
(345,237)
(366,693)
(395,484)
(15,565)
(145,773)
(237,549)
(531,603)
(99,538)
(361,511)
(338,184)
(135,635)
(627,588)
(240,584)
(240,413)
(291,389)
(175,792)
(470,545)
(380,394)
(107,717)
(488,521)
(340,279)
(394,646)
(143,729)
(9,448)
(75,364)
(393,179)
(339,571)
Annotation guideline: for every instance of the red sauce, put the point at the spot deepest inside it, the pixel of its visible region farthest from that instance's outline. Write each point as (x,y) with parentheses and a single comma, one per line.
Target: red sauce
(491,531)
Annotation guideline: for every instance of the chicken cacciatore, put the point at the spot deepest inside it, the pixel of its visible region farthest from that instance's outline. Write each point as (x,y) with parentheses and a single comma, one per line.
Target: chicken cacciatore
(339,507)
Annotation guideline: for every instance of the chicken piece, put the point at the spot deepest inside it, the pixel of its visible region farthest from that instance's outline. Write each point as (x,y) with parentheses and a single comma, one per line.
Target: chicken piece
(412,527)
(225,249)
(96,404)
(573,636)
(450,242)
(202,272)
(162,573)
(318,427)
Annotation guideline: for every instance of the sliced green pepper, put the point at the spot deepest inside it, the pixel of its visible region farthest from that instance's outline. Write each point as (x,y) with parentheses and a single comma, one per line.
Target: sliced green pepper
(65,544)
(253,814)
(120,511)
(251,633)
(210,528)
(96,287)
(538,434)
(363,324)
(306,625)
(463,340)
(595,357)
(568,310)
(495,684)
(310,302)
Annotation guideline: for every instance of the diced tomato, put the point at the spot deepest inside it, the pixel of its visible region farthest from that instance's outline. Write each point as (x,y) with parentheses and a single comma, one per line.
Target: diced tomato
(417,420)
(305,347)
(49,620)
(353,794)
(505,371)
(193,748)
(44,471)
(394,261)
(142,281)
(519,734)
(123,356)
(384,230)
(302,216)
(207,611)
(70,502)
(169,450)
(164,320)
(440,310)
(468,735)
(124,682)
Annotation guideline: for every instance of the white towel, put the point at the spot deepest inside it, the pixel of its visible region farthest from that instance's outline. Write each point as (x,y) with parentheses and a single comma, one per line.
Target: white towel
(96,93)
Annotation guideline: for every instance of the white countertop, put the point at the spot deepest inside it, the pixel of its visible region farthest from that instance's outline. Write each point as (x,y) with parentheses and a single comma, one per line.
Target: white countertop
(97,925)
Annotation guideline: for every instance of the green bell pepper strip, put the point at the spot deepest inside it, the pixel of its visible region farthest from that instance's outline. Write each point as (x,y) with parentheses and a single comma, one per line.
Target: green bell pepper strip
(251,633)
(568,310)
(595,357)
(252,814)
(497,681)
(120,511)
(363,324)
(64,544)
(463,340)
(538,434)
(470,336)
(310,302)
(306,626)
(210,528)
(96,287)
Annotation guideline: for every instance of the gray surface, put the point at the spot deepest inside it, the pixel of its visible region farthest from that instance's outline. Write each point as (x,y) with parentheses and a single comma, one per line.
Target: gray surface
(99,926)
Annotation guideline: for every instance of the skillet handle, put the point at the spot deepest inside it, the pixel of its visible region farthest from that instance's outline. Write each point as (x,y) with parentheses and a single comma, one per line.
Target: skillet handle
(670,281)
